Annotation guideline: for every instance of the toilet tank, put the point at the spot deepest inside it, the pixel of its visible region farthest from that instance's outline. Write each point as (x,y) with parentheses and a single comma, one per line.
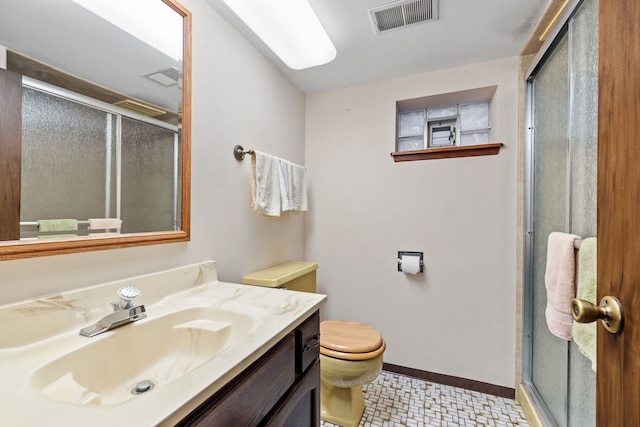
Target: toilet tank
(294,275)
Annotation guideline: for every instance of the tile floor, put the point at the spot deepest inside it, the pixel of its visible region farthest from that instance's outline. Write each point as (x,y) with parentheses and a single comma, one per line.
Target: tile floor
(398,400)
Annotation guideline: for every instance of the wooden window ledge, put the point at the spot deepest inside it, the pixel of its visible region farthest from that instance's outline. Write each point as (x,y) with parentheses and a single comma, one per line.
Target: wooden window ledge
(447,152)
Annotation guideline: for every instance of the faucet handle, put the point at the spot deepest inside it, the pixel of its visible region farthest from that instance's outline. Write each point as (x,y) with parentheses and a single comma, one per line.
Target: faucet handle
(127,295)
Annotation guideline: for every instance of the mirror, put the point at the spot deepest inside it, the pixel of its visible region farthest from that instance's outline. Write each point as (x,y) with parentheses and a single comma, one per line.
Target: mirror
(100,143)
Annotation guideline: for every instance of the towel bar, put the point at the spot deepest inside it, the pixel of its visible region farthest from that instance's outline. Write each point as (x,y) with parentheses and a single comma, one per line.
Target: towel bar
(35,223)
(238,152)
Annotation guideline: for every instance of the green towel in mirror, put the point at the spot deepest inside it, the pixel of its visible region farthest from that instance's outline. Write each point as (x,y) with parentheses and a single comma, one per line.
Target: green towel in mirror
(48,225)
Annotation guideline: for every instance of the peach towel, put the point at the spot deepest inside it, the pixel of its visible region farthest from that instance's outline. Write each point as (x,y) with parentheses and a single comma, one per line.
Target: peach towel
(559,279)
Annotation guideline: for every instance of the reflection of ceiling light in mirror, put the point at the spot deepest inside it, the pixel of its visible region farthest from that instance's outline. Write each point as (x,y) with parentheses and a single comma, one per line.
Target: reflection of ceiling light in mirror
(151,21)
(290,28)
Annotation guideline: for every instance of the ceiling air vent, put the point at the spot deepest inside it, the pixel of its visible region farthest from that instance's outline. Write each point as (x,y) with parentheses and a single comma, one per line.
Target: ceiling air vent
(166,77)
(403,13)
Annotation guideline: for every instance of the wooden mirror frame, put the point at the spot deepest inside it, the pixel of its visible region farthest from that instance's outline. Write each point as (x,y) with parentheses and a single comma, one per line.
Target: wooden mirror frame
(17,249)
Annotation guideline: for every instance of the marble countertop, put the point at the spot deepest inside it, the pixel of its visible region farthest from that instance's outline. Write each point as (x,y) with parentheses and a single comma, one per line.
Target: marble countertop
(38,332)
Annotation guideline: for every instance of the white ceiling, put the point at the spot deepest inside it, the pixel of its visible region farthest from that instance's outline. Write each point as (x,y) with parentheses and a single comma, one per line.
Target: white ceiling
(468,31)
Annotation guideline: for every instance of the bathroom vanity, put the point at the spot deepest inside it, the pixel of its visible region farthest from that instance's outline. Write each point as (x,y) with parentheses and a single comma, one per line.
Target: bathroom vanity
(215,353)
(282,388)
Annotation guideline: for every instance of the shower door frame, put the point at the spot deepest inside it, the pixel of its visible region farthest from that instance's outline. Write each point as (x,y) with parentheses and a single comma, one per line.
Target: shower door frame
(555,37)
(117,113)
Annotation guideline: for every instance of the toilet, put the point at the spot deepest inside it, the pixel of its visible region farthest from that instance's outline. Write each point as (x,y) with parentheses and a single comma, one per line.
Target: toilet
(350,357)
(351,353)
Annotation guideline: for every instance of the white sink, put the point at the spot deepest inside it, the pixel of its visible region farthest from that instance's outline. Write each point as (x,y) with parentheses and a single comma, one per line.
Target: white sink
(159,350)
(199,334)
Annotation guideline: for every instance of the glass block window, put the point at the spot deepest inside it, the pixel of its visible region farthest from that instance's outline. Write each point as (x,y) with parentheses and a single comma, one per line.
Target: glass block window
(444,126)
(410,144)
(474,138)
(411,130)
(475,123)
(474,116)
(412,123)
(440,112)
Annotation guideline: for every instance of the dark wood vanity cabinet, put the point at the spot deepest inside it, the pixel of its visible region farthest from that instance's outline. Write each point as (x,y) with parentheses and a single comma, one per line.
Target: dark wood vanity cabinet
(282,388)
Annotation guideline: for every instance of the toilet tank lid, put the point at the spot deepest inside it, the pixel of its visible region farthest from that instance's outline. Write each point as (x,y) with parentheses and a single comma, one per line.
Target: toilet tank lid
(276,276)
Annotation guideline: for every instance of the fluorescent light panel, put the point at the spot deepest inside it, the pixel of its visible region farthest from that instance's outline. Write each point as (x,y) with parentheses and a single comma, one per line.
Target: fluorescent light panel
(151,21)
(290,28)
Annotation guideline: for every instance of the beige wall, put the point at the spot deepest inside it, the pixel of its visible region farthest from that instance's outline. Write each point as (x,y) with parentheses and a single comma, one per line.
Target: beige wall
(459,317)
(238,97)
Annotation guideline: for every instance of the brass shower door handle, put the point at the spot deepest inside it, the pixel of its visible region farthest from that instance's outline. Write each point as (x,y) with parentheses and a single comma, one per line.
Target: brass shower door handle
(609,312)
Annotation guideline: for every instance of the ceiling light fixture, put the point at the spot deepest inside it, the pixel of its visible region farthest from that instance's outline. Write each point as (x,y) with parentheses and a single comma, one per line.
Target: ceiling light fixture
(151,21)
(290,28)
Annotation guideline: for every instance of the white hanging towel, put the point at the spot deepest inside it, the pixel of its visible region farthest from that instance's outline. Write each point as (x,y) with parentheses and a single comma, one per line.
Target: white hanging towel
(265,184)
(104,223)
(293,187)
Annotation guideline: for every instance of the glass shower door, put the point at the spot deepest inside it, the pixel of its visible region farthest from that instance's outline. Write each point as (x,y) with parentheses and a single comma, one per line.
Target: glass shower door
(550,363)
(563,168)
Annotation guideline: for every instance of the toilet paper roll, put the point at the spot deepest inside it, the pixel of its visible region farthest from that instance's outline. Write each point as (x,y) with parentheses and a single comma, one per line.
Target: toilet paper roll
(410,264)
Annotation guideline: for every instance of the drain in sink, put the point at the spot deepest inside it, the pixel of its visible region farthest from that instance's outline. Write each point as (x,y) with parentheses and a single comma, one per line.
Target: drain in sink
(142,387)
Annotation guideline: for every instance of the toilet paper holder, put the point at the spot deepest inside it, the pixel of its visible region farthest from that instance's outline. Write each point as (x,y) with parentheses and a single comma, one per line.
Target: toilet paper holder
(410,253)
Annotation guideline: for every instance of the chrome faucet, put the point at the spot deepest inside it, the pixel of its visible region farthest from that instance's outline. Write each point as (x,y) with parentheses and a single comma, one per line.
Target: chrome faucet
(124,311)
